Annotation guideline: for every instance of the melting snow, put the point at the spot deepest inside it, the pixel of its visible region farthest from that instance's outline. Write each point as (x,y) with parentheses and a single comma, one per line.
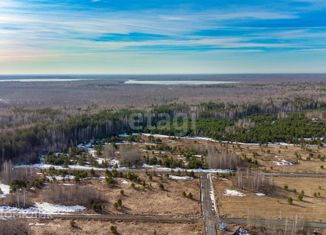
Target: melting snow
(114,162)
(233,193)
(36,224)
(45,208)
(175,177)
(156,135)
(5,190)
(160,168)
(54,208)
(283,163)
(77,167)
(100,160)
(60,178)
(260,194)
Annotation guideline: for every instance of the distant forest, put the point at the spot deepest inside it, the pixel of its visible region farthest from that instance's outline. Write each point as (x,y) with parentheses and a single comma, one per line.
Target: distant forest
(297,120)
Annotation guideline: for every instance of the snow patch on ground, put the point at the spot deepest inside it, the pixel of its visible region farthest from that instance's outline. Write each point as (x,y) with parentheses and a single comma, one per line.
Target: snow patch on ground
(60,178)
(49,208)
(44,208)
(124,182)
(77,167)
(260,194)
(175,177)
(283,163)
(89,148)
(127,135)
(100,160)
(36,224)
(114,162)
(5,190)
(199,138)
(156,135)
(160,168)
(233,193)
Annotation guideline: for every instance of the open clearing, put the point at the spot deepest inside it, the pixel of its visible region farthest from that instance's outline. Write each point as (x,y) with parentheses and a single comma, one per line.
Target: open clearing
(154,200)
(275,206)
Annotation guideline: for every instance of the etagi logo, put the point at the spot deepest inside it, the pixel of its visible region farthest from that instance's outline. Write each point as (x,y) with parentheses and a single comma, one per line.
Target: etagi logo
(178,122)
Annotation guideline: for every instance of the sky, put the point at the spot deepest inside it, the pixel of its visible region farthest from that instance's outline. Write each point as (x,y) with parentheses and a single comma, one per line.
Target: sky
(162,36)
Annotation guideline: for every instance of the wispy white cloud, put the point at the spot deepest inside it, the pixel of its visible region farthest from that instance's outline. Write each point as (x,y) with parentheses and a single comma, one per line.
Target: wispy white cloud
(33,30)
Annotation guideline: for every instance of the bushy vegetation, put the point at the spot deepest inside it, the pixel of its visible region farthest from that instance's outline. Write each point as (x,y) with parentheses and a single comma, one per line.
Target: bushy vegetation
(74,195)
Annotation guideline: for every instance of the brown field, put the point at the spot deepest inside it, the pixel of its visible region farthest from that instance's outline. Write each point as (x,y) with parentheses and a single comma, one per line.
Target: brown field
(151,200)
(97,227)
(275,206)
(154,201)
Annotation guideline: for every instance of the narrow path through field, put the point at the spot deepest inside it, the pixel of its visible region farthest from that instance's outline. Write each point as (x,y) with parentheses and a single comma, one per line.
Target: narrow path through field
(108,217)
(209,208)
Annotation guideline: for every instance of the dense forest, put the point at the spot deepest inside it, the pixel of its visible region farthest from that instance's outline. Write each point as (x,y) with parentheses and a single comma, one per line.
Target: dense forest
(300,120)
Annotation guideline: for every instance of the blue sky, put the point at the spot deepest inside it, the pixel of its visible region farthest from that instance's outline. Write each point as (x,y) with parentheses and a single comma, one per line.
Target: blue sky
(162,37)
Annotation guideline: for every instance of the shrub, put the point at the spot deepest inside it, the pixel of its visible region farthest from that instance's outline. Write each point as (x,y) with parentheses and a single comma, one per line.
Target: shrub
(290,200)
(73,223)
(114,229)
(120,203)
(110,181)
(17,184)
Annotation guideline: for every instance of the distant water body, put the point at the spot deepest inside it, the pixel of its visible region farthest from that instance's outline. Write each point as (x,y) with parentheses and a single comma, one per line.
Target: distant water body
(191,80)
(42,80)
(130,82)
(199,79)
(180,82)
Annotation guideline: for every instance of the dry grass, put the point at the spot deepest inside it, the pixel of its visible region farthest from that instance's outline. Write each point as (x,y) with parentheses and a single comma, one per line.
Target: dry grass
(153,201)
(275,206)
(55,227)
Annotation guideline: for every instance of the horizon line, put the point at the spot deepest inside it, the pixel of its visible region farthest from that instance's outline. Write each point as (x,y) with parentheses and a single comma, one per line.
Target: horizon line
(156,74)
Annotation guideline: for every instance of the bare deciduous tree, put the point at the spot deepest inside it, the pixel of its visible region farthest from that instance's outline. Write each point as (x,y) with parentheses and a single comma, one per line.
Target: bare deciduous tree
(221,159)
(19,199)
(129,154)
(9,173)
(254,181)
(109,151)
(72,195)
